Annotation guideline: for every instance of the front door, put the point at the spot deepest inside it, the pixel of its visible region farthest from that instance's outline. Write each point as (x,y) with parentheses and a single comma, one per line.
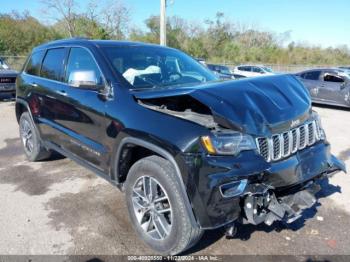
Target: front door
(86,120)
(333,88)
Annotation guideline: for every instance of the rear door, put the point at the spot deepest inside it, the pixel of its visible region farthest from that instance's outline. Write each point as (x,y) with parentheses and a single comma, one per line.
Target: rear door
(48,92)
(311,80)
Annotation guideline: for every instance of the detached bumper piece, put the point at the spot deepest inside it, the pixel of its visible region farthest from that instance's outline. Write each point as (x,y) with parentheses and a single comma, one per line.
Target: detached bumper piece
(266,207)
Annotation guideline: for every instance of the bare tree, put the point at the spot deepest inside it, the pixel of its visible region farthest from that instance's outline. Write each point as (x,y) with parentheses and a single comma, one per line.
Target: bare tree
(115,16)
(62,10)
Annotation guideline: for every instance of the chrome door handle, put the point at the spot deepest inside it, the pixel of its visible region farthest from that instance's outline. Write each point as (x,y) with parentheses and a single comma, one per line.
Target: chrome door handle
(34,84)
(61,92)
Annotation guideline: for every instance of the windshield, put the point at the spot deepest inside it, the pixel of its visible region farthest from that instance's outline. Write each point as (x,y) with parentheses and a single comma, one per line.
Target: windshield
(345,73)
(151,66)
(267,69)
(3,65)
(225,70)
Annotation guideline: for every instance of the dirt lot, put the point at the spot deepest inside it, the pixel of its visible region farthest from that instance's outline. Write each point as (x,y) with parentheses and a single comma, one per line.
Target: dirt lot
(58,207)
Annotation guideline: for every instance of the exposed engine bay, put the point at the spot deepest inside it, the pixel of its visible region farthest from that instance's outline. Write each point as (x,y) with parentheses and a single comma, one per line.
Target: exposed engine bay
(184,107)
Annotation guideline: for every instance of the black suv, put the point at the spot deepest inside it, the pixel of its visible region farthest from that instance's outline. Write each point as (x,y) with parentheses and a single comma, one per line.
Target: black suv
(7,79)
(191,153)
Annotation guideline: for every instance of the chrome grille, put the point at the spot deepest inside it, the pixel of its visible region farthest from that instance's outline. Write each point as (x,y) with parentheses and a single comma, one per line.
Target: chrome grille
(286,144)
(283,145)
(302,137)
(264,148)
(276,145)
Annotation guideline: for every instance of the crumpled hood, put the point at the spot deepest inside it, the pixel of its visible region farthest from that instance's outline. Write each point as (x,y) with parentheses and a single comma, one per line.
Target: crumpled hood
(253,105)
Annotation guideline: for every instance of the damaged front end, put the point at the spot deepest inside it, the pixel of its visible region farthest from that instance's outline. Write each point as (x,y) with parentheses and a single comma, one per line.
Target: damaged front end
(260,155)
(264,206)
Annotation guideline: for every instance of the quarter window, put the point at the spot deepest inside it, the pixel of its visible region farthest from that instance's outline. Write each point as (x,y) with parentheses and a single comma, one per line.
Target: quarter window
(81,62)
(53,64)
(34,63)
(312,75)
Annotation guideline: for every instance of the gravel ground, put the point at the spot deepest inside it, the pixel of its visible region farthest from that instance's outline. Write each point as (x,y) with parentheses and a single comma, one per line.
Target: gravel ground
(58,207)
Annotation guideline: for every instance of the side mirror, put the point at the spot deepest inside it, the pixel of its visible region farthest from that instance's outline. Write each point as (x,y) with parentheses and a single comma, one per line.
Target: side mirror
(85,79)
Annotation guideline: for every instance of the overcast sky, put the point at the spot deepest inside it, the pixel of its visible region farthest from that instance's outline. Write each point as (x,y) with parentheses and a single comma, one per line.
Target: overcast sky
(316,22)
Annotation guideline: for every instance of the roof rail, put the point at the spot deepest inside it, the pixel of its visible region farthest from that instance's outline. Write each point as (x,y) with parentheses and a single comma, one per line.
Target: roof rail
(78,38)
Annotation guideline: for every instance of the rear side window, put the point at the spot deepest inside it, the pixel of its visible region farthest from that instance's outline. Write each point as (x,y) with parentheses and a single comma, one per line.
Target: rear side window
(52,67)
(244,68)
(312,75)
(34,63)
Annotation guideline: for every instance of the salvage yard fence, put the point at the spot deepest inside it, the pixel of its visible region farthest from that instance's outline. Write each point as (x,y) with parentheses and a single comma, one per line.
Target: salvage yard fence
(16,62)
(285,68)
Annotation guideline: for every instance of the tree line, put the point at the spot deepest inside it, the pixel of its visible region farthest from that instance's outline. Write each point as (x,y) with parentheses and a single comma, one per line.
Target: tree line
(218,39)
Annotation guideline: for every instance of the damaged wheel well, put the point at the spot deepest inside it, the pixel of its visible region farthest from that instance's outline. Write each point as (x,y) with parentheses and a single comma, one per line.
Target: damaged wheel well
(20,109)
(129,155)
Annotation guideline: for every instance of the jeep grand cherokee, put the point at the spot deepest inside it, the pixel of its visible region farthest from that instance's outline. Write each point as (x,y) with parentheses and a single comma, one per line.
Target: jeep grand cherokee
(190,152)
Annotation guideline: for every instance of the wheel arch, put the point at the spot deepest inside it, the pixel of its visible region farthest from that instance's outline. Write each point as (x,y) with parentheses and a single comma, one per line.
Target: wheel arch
(153,149)
(21,107)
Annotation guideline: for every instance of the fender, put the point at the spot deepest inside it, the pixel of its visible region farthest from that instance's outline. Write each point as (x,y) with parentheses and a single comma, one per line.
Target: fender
(169,157)
(26,105)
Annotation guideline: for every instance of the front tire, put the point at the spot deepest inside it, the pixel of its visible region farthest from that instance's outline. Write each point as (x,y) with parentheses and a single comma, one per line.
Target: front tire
(31,141)
(157,208)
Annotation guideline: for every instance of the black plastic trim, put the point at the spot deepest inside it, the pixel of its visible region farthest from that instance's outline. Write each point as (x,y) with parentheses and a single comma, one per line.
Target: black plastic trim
(169,157)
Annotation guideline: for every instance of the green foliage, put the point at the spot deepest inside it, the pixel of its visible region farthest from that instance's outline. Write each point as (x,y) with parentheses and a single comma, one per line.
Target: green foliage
(83,27)
(217,40)
(20,33)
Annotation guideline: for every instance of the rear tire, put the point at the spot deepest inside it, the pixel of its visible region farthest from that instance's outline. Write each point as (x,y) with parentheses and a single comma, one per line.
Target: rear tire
(159,207)
(31,140)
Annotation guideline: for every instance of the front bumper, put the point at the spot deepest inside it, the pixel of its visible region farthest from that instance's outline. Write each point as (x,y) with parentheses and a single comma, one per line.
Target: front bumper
(209,173)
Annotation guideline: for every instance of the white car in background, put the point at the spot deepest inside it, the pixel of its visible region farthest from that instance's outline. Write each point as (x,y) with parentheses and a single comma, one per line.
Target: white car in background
(252,70)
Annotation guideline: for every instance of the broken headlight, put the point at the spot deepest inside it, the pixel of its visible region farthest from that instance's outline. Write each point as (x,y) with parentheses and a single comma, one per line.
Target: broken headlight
(320,131)
(228,143)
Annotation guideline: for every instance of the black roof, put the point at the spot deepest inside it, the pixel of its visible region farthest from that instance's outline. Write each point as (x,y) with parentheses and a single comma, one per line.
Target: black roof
(88,43)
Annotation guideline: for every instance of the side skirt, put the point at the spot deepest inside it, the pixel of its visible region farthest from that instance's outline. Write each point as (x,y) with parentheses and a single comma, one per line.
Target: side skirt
(82,162)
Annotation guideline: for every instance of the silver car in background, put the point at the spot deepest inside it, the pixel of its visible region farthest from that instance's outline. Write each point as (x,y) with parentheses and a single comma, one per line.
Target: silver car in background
(327,85)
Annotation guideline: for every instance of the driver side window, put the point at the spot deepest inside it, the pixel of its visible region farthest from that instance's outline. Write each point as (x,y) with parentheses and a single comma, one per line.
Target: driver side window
(332,78)
(256,69)
(82,69)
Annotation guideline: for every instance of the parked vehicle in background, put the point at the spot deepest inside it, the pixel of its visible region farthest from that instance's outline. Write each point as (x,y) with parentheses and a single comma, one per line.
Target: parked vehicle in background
(252,70)
(223,72)
(344,67)
(327,86)
(191,153)
(238,76)
(201,60)
(7,79)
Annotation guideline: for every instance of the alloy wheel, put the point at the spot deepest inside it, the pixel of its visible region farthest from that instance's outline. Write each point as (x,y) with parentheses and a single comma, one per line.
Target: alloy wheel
(152,207)
(27,136)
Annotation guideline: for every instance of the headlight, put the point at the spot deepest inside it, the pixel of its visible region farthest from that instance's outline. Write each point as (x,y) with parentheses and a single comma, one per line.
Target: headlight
(320,131)
(227,143)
